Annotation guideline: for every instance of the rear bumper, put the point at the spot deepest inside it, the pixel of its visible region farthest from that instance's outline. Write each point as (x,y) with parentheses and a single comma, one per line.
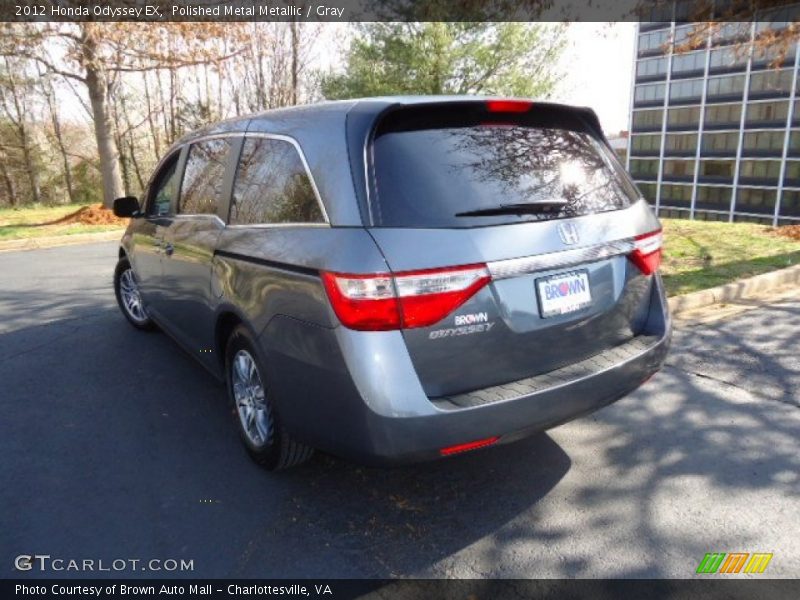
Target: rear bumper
(358,396)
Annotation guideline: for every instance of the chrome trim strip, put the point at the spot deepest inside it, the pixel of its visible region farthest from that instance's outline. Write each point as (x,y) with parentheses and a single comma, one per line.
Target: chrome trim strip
(512,267)
(179,216)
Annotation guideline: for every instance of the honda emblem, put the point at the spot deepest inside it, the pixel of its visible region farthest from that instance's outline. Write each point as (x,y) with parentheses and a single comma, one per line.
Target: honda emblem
(568,233)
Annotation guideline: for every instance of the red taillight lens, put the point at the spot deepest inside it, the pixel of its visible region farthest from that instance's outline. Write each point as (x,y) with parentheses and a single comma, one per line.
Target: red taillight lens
(647,254)
(468,446)
(408,299)
(508,106)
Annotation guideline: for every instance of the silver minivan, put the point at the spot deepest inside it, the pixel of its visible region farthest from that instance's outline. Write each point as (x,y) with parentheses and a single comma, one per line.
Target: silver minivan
(398,279)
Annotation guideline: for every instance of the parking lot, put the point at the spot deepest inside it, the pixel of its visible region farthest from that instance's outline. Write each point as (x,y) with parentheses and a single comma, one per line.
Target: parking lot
(116,444)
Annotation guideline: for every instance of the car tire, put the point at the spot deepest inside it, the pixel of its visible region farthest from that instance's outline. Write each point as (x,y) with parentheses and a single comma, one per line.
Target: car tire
(129,299)
(267,442)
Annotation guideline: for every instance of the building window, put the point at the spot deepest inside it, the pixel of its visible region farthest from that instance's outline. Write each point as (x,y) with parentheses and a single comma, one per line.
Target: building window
(723,115)
(794,143)
(723,59)
(767,113)
(763,143)
(649,94)
(717,169)
(729,86)
(774,55)
(683,118)
(644,120)
(676,195)
(731,30)
(720,144)
(755,200)
(654,41)
(648,191)
(644,169)
(792,177)
(692,62)
(681,91)
(713,198)
(771,83)
(790,203)
(651,67)
(682,33)
(678,169)
(680,144)
(645,144)
(765,172)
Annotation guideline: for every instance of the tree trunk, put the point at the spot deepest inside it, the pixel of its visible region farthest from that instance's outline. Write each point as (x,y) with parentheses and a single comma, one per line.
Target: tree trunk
(8,183)
(97,86)
(17,118)
(150,121)
(295,45)
(55,119)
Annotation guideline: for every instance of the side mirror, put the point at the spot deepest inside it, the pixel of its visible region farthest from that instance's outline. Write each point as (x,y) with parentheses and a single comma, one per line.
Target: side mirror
(126,207)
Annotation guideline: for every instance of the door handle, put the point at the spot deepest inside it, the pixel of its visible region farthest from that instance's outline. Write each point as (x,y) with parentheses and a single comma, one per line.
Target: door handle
(169,249)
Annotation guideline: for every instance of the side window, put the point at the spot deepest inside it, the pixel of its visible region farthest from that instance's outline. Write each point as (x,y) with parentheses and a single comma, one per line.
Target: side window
(164,188)
(272,186)
(202,179)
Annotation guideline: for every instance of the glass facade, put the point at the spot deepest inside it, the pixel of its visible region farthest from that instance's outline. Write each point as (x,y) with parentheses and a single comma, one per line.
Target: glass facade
(715,128)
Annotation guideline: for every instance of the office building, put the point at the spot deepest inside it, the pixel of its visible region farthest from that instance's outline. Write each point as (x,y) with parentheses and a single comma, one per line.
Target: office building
(715,131)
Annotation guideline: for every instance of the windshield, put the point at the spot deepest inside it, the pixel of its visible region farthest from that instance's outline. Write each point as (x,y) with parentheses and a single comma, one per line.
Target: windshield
(436,177)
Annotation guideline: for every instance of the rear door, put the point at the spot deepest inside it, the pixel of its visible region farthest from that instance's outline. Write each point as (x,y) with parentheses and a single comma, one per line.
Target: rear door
(535,196)
(190,240)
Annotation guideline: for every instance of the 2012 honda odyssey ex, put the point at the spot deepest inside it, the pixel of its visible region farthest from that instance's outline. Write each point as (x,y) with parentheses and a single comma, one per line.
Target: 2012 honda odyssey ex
(398,279)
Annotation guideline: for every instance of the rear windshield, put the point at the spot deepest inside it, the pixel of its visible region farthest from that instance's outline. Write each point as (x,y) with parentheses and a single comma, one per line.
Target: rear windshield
(435,176)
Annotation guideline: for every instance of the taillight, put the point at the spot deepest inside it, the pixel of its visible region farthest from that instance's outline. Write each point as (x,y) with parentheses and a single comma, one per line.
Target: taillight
(647,252)
(382,302)
(508,106)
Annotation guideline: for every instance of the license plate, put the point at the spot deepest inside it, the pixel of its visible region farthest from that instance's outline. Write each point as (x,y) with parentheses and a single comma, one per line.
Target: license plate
(563,293)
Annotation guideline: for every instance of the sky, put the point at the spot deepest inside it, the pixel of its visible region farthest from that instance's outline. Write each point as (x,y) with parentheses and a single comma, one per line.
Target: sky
(598,66)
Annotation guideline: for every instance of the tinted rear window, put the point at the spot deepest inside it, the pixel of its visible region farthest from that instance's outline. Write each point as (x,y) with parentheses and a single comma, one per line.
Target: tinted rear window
(425,176)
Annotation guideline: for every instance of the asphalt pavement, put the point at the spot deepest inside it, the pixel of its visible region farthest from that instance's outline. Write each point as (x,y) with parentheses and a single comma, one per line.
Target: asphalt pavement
(115,444)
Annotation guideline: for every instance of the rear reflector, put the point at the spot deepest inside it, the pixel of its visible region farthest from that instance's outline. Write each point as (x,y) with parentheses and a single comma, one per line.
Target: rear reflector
(383,302)
(508,106)
(647,254)
(468,446)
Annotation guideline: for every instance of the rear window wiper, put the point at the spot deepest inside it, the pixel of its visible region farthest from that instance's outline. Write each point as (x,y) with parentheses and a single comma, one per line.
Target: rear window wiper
(522,208)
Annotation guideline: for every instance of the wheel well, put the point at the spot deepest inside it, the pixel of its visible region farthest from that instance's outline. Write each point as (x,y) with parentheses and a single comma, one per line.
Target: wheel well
(226,323)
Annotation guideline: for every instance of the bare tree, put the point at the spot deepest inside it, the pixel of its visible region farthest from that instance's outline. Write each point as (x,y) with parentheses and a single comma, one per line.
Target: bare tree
(14,88)
(96,54)
(49,93)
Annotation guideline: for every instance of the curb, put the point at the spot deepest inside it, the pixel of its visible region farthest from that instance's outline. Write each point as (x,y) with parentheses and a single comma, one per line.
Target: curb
(60,240)
(730,292)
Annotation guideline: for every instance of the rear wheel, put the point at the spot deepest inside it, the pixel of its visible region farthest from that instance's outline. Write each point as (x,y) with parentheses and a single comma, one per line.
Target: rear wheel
(129,298)
(259,427)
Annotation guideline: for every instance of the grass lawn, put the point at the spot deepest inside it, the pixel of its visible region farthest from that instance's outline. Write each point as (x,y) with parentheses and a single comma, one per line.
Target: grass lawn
(33,221)
(704,254)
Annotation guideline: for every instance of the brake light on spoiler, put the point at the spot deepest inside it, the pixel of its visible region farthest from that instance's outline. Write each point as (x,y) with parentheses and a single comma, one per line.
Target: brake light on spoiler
(647,251)
(403,300)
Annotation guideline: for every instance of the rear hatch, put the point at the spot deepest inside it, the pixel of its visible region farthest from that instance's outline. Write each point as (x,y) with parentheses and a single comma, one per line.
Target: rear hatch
(521,215)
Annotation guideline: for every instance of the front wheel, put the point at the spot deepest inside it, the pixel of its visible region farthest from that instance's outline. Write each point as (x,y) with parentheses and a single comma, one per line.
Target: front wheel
(129,298)
(266,441)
